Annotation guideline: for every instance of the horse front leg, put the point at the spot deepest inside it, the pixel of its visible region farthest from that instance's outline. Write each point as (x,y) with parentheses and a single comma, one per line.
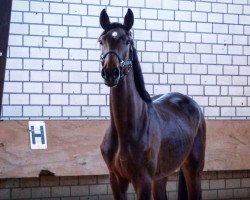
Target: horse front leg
(159,189)
(142,186)
(119,186)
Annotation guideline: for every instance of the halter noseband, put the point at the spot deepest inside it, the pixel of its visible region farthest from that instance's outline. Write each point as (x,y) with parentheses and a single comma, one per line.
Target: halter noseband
(122,63)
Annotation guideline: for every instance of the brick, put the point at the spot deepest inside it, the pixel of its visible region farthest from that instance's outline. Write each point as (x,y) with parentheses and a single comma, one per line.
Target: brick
(19,99)
(39,52)
(236,90)
(32,17)
(71,20)
(90,21)
(192,79)
(228,111)
(224,101)
(90,111)
(59,99)
(175,79)
(153,46)
(225,194)
(240,60)
(19,75)
(89,88)
(224,80)
(209,38)
(97,100)
(176,57)
(161,89)
(171,47)
(179,88)
(149,57)
(234,8)
(58,76)
(215,69)
(170,5)
(10,111)
(171,25)
(15,40)
(220,28)
(19,52)
(204,27)
(20,5)
(71,88)
(52,111)
(20,193)
(60,191)
(239,80)
(77,9)
(9,183)
(212,90)
(199,16)
(36,29)
(32,111)
(239,101)
(166,14)
(241,193)
(215,17)
(219,7)
(40,192)
(235,29)
(39,6)
(203,6)
(148,13)
(219,49)
(72,111)
(208,59)
(4,193)
(209,194)
(77,54)
(245,182)
(188,26)
(33,41)
(192,58)
(58,31)
(79,190)
(154,24)
(195,90)
(225,39)
(78,99)
(211,112)
(39,99)
(235,49)
(187,5)
(203,48)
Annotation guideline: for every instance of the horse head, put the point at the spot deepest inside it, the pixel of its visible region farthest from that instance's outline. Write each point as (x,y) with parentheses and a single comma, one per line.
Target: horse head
(116,48)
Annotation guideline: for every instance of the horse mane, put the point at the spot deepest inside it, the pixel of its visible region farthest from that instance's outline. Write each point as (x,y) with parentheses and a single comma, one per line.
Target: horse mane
(138,78)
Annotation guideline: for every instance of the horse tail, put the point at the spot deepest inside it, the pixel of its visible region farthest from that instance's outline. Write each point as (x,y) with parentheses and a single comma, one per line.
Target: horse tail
(182,187)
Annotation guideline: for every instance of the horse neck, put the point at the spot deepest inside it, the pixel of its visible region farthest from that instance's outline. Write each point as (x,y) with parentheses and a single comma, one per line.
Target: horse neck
(127,107)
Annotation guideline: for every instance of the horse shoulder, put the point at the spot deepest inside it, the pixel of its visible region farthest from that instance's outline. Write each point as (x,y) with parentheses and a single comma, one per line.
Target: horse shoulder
(109,145)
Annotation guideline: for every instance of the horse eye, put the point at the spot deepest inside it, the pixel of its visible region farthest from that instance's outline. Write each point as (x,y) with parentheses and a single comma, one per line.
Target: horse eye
(100,42)
(127,42)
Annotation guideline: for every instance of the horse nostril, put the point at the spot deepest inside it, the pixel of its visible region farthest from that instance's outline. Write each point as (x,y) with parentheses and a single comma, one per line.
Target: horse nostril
(116,73)
(103,73)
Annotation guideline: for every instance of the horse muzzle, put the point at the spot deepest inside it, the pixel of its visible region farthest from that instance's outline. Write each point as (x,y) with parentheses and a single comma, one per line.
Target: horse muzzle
(111,76)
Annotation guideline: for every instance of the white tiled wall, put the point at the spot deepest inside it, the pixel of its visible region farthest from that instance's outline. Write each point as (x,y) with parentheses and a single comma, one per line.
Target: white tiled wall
(200,48)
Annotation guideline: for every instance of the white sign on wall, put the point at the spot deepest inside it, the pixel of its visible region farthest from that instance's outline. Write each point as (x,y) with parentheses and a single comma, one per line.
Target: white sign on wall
(37,132)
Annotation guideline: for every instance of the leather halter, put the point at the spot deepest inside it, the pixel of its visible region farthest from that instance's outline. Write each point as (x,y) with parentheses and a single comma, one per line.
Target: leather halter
(122,63)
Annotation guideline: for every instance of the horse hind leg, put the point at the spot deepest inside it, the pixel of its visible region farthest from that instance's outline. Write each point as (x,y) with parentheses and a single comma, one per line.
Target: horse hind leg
(193,167)
(159,189)
(182,187)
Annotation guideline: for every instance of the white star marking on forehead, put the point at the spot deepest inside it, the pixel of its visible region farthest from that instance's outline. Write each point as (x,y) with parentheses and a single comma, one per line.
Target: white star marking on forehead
(114,34)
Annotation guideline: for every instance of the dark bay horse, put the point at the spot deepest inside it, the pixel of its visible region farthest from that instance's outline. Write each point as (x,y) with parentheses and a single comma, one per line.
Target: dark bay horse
(148,138)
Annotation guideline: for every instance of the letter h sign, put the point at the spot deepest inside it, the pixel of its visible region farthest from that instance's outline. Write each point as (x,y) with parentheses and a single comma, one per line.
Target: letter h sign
(37,132)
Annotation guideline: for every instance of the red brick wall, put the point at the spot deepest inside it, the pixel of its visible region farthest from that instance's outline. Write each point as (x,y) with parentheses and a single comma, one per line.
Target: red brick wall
(216,185)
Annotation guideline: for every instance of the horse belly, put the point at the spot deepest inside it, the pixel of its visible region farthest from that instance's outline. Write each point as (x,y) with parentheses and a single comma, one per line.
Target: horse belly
(172,156)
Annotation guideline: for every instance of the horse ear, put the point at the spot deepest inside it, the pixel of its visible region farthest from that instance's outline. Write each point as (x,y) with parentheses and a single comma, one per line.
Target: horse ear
(129,19)
(104,19)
